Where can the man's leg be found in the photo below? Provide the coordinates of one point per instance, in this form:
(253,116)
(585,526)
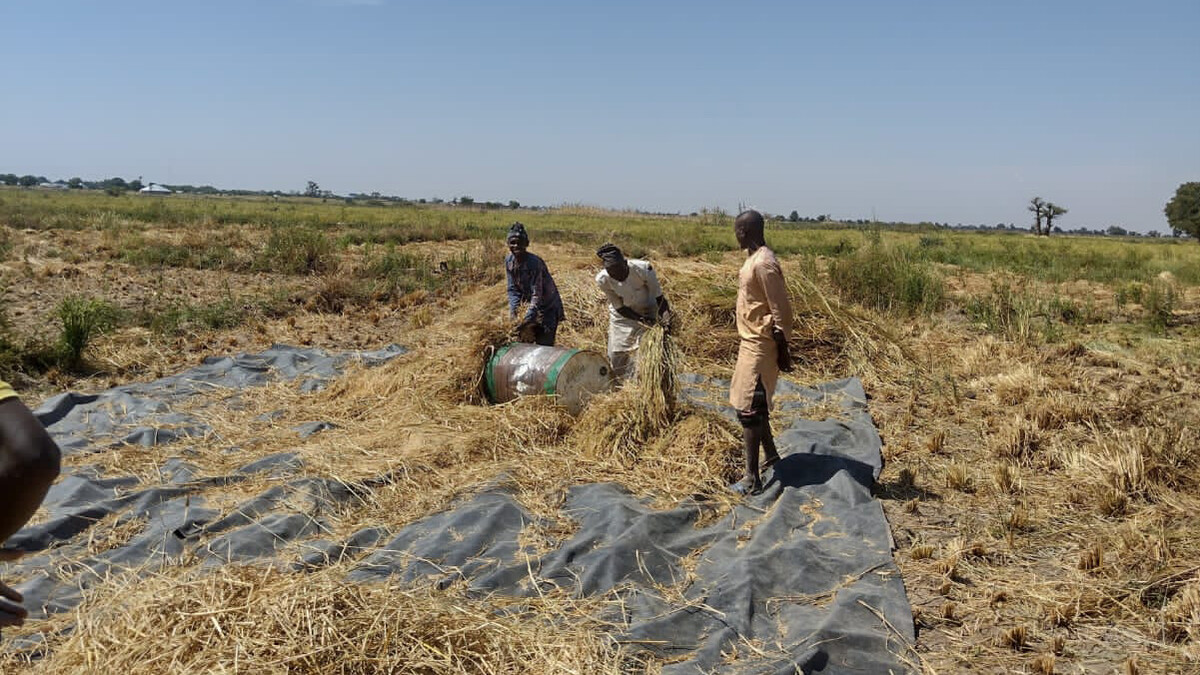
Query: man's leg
(751,440)
(756,432)
(770,454)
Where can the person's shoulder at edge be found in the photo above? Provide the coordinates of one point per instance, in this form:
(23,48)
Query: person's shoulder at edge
(764,255)
(534,260)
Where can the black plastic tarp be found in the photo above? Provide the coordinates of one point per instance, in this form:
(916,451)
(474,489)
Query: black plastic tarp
(797,579)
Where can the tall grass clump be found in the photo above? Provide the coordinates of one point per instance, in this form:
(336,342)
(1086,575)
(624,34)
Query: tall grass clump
(82,320)
(889,280)
(1005,311)
(297,250)
(6,243)
(1159,303)
(405,272)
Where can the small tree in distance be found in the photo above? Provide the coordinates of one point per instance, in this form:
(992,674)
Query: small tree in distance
(312,189)
(1183,211)
(1051,211)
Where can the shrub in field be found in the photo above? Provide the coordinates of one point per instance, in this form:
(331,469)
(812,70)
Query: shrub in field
(888,280)
(82,319)
(1159,304)
(1006,311)
(297,250)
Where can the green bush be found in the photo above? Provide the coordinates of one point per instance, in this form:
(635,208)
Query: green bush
(1160,300)
(82,319)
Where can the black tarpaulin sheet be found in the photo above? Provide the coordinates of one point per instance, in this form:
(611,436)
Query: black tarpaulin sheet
(798,579)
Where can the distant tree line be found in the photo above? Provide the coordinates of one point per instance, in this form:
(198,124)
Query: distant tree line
(1182,211)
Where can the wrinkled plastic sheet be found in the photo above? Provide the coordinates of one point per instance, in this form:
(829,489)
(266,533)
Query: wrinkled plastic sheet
(797,579)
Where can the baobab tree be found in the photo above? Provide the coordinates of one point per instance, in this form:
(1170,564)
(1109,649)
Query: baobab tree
(1037,206)
(1050,211)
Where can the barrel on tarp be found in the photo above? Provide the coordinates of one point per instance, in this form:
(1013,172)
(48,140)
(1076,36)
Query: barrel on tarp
(521,369)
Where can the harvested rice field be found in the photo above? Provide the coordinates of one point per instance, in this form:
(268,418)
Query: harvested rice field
(1041,461)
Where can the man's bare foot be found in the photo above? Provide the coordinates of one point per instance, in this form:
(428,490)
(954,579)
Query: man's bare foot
(747,487)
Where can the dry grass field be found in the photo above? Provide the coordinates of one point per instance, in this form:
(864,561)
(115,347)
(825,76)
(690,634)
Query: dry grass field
(1037,399)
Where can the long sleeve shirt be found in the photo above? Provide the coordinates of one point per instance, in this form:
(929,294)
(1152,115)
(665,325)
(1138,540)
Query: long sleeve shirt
(762,306)
(639,292)
(762,300)
(530,282)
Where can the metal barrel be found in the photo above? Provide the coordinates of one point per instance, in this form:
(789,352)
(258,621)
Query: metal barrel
(522,369)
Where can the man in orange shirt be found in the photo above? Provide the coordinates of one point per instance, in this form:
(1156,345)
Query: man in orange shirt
(29,463)
(764,321)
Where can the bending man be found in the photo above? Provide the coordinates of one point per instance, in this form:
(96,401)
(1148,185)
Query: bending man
(529,282)
(635,302)
(764,321)
(29,463)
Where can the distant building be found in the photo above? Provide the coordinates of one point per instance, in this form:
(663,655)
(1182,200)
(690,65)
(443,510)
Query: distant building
(52,186)
(154,189)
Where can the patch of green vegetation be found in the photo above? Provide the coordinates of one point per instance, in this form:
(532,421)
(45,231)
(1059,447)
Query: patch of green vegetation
(297,250)
(888,279)
(82,320)
(6,243)
(136,251)
(403,272)
(1059,259)
(180,318)
(1160,302)
(1107,260)
(1022,314)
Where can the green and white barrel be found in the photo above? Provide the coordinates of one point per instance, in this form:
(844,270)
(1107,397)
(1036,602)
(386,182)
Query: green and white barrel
(522,369)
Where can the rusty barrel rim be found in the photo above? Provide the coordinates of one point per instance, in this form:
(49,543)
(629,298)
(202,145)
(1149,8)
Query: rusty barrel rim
(552,375)
(490,370)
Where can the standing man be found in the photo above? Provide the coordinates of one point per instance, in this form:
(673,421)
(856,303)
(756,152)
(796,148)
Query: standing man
(530,282)
(764,321)
(635,302)
(29,463)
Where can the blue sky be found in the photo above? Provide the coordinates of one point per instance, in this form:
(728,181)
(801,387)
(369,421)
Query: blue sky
(947,111)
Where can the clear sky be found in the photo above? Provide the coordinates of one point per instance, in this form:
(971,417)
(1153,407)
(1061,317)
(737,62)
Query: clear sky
(949,111)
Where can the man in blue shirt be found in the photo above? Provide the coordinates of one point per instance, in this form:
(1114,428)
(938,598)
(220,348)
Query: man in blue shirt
(530,283)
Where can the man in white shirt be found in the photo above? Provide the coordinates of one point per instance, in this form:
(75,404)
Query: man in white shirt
(635,302)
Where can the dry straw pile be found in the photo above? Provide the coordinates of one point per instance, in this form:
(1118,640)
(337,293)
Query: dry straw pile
(255,620)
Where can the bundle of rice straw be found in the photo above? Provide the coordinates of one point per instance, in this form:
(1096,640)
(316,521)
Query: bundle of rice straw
(622,423)
(460,375)
(655,384)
